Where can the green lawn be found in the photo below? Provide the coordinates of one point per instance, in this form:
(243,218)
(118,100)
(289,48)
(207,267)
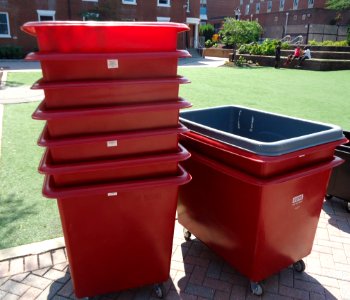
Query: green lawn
(25,216)
(320,96)
(22,78)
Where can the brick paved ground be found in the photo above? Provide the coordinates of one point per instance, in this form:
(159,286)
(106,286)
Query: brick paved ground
(197,273)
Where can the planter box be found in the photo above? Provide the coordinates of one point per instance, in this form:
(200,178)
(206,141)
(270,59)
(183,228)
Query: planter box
(109,92)
(102,37)
(111,146)
(93,66)
(109,119)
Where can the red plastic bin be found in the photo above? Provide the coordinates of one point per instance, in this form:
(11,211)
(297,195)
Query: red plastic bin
(259,226)
(93,66)
(109,119)
(109,92)
(78,36)
(110,146)
(130,221)
(259,165)
(95,172)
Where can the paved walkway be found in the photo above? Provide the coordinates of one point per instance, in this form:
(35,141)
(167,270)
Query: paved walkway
(196,272)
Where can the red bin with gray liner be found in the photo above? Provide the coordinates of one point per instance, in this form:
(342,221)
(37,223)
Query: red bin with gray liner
(94,66)
(259,226)
(97,37)
(111,146)
(118,235)
(109,119)
(259,165)
(94,172)
(109,92)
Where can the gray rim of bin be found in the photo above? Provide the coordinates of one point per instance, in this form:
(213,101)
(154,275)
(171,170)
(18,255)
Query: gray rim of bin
(330,133)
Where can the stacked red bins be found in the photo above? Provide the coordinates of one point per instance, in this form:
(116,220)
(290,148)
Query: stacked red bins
(258,186)
(112,155)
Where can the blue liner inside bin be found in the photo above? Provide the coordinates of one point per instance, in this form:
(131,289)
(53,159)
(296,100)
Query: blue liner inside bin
(258,131)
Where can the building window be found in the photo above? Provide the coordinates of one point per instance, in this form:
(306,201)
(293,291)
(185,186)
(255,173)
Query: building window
(276,19)
(247,8)
(282,5)
(257,8)
(188,6)
(303,17)
(310,3)
(257,19)
(240,2)
(164,3)
(203,10)
(132,2)
(251,1)
(163,19)
(295,4)
(295,17)
(4,25)
(269,6)
(46,15)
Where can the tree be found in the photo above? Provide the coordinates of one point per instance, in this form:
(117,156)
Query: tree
(237,32)
(338,4)
(207,31)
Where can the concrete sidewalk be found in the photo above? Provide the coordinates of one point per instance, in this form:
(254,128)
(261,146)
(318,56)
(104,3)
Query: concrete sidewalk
(196,272)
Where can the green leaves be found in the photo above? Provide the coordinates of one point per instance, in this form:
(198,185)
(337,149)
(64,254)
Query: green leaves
(338,4)
(236,32)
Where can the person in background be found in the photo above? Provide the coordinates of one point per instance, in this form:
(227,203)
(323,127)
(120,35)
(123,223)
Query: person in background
(295,55)
(306,55)
(277,55)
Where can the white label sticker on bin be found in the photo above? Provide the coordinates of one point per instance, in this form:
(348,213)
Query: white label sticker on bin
(296,201)
(112,63)
(112,143)
(113,194)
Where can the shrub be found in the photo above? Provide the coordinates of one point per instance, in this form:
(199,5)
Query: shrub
(209,43)
(241,61)
(207,31)
(11,52)
(266,48)
(236,32)
(329,43)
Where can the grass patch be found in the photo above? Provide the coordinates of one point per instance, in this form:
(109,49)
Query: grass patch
(25,216)
(15,79)
(319,96)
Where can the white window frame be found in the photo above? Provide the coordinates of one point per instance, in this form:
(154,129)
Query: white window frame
(163,5)
(247,9)
(240,2)
(269,6)
(310,3)
(129,2)
(295,4)
(8,25)
(163,19)
(46,13)
(188,6)
(257,7)
(282,3)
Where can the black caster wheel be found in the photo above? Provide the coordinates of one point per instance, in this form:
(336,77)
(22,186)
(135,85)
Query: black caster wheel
(159,289)
(299,266)
(348,206)
(187,234)
(256,288)
(328,197)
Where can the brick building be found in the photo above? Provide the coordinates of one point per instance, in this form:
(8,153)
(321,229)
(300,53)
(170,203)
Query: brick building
(13,13)
(309,18)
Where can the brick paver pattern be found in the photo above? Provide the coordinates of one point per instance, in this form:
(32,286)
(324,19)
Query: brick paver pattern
(197,273)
